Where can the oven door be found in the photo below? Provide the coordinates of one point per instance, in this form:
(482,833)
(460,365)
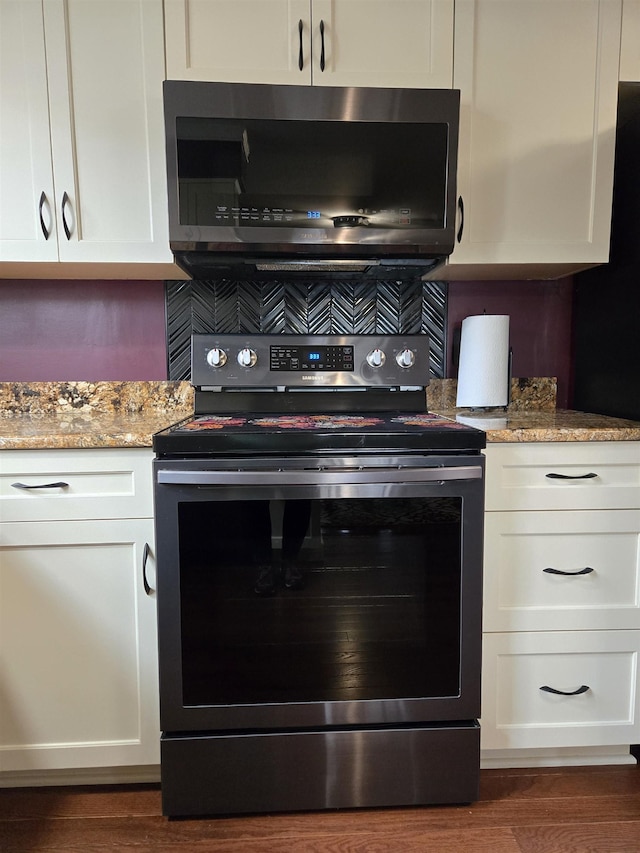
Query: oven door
(297,593)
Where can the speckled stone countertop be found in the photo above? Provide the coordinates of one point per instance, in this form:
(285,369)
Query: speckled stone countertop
(52,415)
(45,415)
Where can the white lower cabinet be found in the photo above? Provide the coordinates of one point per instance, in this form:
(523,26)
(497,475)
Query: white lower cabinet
(561,599)
(560,689)
(78,647)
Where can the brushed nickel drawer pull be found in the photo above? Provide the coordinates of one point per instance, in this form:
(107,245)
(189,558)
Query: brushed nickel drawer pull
(60,485)
(586,571)
(578,692)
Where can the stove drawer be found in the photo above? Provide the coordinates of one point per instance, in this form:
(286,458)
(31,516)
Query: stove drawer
(594,672)
(49,485)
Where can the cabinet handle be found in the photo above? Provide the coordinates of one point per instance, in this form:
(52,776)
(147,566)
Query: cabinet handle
(577,692)
(145,556)
(63,207)
(300,54)
(41,204)
(586,571)
(322,45)
(571,476)
(461,227)
(60,485)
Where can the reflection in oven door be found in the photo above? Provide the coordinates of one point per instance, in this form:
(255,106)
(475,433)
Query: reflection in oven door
(306,607)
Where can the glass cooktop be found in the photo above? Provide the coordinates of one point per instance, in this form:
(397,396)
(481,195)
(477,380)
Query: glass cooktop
(301,433)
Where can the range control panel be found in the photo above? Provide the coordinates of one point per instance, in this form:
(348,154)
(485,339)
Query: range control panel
(309,361)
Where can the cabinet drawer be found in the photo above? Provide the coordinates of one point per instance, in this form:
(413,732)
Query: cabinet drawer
(49,485)
(599,552)
(563,475)
(516,713)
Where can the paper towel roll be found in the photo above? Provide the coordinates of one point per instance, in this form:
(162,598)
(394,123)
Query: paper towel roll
(483,374)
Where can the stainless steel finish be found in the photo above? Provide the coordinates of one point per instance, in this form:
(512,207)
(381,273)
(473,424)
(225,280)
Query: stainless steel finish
(315,266)
(205,247)
(257,373)
(344,476)
(386,766)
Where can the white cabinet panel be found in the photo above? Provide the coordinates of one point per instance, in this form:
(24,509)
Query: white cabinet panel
(518,476)
(319,42)
(90,76)
(238,41)
(538,85)
(77,641)
(630,41)
(26,171)
(517,713)
(64,484)
(407,43)
(533,565)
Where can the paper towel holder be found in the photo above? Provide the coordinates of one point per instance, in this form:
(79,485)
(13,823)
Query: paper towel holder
(485,364)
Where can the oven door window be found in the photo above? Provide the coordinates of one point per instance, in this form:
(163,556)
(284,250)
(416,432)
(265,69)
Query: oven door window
(320,599)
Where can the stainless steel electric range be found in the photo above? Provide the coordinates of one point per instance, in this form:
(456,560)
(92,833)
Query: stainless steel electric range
(319,552)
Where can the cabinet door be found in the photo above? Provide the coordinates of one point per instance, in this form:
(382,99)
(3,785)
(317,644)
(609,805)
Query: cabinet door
(538,85)
(239,41)
(105,67)
(26,174)
(78,658)
(407,43)
(630,41)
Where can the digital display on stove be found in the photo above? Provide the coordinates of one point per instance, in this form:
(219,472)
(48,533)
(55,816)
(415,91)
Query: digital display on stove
(295,358)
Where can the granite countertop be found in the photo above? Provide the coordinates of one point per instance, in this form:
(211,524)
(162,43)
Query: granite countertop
(127,414)
(47,415)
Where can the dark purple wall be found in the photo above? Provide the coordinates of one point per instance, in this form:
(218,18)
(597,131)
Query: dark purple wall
(106,330)
(539,328)
(82,330)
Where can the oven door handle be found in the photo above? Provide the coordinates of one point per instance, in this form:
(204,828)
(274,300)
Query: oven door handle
(313,478)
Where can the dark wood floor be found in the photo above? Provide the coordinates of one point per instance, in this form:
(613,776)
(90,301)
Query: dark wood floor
(571,810)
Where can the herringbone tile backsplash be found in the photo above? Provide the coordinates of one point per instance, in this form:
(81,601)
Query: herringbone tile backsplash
(314,308)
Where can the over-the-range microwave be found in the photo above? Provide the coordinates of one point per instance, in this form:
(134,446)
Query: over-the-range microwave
(272,178)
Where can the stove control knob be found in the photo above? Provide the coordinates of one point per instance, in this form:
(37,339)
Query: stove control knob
(216,357)
(376,358)
(406,358)
(247,357)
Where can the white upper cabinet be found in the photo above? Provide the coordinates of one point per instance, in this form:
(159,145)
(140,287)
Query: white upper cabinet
(311,42)
(630,42)
(538,84)
(81,100)
(26,171)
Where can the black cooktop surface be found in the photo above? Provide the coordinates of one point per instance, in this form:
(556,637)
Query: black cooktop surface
(316,433)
